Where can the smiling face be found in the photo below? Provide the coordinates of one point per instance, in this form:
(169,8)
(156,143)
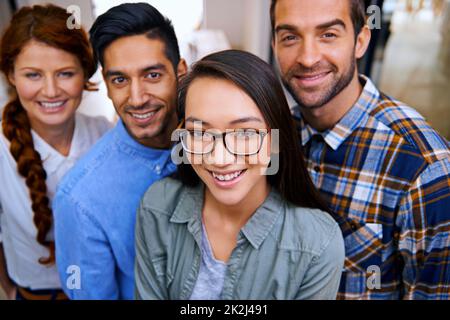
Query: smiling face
(49,83)
(316,49)
(142,84)
(219,105)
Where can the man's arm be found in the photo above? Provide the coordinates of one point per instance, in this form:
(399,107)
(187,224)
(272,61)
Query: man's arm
(85,262)
(424,241)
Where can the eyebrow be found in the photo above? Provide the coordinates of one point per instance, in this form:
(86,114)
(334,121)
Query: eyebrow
(158,66)
(245,120)
(286,27)
(335,22)
(39,69)
(194,119)
(237,121)
(326,25)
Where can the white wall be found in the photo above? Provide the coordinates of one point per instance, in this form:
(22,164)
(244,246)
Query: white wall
(245,22)
(257,29)
(227,16)
(5,14)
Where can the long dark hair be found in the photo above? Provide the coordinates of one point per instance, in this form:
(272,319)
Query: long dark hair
(257,79)
(46,24)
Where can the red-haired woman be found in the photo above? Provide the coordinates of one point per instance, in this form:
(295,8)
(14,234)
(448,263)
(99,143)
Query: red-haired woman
(48,66)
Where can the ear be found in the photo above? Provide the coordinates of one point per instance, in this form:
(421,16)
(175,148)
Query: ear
(272,43)
(12,78)
(362,42)
(182,68)
(106,84)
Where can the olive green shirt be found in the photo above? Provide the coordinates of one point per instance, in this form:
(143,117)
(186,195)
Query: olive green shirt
(283,251)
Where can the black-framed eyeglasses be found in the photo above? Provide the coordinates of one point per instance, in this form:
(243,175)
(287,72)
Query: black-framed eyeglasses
(240,142)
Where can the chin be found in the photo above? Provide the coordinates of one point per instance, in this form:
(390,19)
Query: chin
(57,120)
(229,197)
(143,133)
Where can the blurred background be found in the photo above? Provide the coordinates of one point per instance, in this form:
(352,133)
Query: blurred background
(409,56)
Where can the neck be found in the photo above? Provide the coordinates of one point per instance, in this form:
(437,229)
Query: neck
(235,215)
(328,115)
(59,137)
(162,140)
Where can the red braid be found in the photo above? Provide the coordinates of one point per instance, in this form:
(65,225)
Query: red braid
(16,128)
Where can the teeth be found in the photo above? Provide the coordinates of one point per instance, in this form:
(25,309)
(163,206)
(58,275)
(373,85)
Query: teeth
(142,116)
(227,177)
(52,104)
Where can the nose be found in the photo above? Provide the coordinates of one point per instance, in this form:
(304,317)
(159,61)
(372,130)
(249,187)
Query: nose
(308,53)
(220,156)
(136,94)
(51,88)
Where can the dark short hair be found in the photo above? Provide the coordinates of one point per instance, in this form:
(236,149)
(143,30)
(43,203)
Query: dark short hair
(130,19)
(259,81)
(357,15)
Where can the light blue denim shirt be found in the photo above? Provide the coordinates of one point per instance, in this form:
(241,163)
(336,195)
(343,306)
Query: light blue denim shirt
(95,211)
(283,252)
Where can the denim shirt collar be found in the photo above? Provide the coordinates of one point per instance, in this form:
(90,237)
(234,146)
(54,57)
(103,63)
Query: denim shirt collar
(126,143)
(356,117)
(257,228)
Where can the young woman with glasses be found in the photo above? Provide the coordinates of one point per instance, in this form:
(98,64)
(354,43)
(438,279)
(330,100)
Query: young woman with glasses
(243,220)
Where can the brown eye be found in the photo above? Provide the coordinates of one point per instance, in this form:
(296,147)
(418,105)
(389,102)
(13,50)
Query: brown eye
(289,38)
(118,80)
(153,75)
(329,36)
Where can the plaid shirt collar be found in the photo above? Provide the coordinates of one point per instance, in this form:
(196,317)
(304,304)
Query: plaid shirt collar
(357,116)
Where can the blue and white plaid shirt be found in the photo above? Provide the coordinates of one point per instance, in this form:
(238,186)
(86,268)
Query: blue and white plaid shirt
(386,174)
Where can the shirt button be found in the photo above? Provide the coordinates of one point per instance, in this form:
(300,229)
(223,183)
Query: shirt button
(354,226)
(317,169)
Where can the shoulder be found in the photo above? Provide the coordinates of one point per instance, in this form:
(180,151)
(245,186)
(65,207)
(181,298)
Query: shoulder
(310,230)
(93,124)
(163,196)
(411,127)
(164,200)
(4,143)
(5,152)
(90,167)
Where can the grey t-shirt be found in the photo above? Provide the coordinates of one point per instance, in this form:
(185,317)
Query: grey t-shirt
(211,275)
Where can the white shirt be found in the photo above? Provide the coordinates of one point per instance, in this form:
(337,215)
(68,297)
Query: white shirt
(17,229)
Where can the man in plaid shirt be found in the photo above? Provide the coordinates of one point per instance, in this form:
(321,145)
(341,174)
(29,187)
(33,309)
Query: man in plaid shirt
(383,170)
